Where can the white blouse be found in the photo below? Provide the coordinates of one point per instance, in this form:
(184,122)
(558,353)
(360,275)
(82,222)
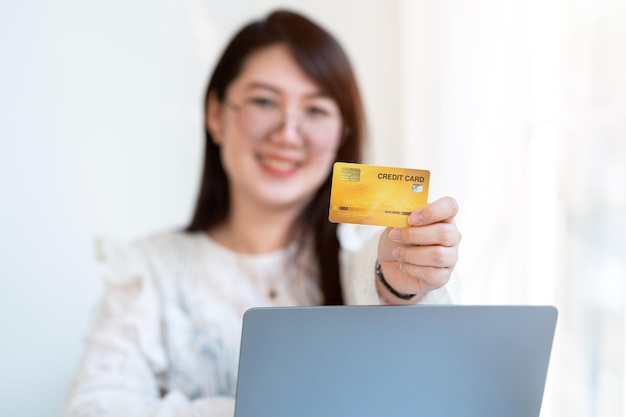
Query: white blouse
(165,341)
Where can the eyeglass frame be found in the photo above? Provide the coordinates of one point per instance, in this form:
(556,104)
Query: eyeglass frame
(344,130)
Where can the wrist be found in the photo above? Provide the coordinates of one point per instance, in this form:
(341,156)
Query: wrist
(388,288)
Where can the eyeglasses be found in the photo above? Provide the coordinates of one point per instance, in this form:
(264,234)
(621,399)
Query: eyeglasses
(319,126)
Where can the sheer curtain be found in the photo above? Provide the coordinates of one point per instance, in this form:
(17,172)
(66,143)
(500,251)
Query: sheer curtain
(519,109)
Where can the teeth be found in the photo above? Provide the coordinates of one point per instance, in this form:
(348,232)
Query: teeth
(279,164)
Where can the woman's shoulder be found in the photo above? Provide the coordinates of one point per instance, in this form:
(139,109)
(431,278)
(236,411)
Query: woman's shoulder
(171,241)
(162,248)
(108,247)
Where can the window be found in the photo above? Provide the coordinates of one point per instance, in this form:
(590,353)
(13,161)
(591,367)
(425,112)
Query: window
(519,110)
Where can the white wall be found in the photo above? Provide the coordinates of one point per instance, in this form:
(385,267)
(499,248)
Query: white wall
(100,135)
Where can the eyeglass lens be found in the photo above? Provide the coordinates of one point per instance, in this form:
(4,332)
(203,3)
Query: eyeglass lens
(320,128)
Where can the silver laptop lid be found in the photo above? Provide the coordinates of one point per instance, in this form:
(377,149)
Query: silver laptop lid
(425,360)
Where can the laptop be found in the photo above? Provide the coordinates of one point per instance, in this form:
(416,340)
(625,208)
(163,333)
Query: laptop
(394,361)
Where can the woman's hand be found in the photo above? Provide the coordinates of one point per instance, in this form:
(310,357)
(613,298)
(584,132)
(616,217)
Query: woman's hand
(419,258)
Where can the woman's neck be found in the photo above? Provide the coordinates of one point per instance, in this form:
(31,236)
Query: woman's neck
(255,230)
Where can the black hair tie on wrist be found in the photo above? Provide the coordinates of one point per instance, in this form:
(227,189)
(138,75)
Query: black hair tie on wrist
(382,279)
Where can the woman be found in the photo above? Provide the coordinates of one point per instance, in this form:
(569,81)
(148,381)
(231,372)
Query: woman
(281,107)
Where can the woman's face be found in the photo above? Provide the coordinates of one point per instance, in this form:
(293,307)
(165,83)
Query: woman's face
(278,134)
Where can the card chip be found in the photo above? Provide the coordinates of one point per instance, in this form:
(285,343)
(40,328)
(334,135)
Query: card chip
(418,188)
(350,174)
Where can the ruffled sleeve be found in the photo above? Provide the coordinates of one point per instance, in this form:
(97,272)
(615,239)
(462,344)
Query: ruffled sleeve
(122,371)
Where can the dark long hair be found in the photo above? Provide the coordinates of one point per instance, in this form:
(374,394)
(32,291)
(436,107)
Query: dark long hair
(323,60)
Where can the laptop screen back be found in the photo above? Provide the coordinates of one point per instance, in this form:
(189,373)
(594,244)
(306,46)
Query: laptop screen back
(425,360)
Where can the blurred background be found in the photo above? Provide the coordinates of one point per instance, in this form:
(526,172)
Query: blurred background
(518,108)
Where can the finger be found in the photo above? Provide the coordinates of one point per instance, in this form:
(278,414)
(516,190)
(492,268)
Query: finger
(444,234)
(428,256)
(440,210)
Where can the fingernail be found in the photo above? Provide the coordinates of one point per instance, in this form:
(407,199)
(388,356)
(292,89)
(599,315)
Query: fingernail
(415,218)
(396,254)
(395,234)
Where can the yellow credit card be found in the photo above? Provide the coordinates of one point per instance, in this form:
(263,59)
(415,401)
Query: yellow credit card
(376,195)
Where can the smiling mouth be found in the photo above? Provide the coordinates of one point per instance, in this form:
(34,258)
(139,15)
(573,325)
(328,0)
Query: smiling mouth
(280,165)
